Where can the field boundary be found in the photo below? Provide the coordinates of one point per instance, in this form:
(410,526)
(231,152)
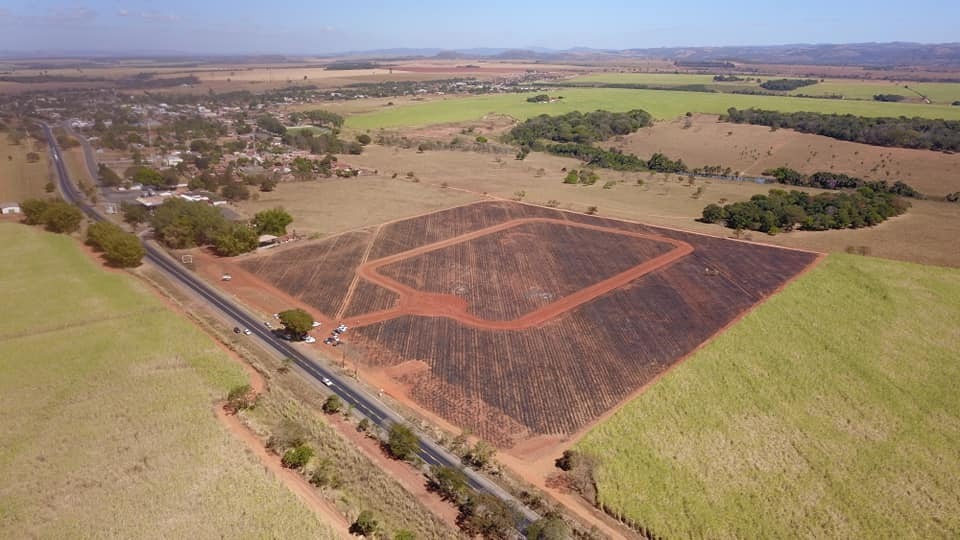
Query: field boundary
(414,302)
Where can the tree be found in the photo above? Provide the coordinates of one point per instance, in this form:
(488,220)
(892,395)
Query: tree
(145,176)
(550,527)
(713,213)
(402,442)
(134,214)
(33,157)
(273,221)
(333,404)
(488,516)
(120,248)
(235,191)
(404,534)
(268,184)
(296,322)
(364,139)
(479,456)
(297,457)
(33,210)
(234,239)
(365,525)
(181,224)
(61,217)
(449,482)
(572,177)
(108,176)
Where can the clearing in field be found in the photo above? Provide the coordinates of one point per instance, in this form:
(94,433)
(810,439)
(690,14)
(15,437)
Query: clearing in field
(662,104)
(529,321)
(830,411)
(108,427)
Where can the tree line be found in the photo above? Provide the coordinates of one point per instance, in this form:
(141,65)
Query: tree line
(182,224)
(784,211)
(787,85)
(829,180)
(902,132)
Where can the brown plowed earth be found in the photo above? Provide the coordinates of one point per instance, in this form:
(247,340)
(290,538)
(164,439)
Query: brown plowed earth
(541,371)
(416,302)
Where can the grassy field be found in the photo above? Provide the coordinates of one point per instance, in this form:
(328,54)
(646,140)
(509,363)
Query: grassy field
(108,428)
(20,180)
(939,93)
(830,411)
(662,104)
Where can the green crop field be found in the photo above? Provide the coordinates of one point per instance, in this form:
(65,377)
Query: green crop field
(107,397)
(830,411)
(662,104)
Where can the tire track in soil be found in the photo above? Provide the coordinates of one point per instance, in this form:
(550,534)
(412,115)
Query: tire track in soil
(356,277)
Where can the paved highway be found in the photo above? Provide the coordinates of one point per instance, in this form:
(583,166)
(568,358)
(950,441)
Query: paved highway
(352,394)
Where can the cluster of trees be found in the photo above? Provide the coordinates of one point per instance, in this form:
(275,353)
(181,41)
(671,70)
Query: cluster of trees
(55,215)
(727,78)
(271,124)
(787,85)
(539,98)
(119,248)
(319,118)
(584,177)
(931,134)
(108,177)
(577,127)
(784,211)
(321,143)
(181,224)
(829,180)
(893,98)
(598,157)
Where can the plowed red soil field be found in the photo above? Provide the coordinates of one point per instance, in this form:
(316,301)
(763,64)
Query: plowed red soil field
(527,321)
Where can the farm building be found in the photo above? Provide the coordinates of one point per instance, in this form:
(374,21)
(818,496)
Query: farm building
(9,208)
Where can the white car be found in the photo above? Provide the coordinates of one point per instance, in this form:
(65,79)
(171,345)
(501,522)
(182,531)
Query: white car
(276,316)
(326,381)
(247,332)
(309,339)
(315,324)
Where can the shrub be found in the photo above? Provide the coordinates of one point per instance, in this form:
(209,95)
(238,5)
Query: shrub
(240,397)
(402,442)
(364,139)
(365,525)
(297,457)
(591,210)
(333,404)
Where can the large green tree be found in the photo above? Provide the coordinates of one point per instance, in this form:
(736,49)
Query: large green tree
(297,322)
(273,221)
(234,239)
(402,441)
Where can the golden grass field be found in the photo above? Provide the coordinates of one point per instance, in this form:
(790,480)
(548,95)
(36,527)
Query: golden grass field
(108,427)
(928,233)
(829,412)
(20,180)
(753,149)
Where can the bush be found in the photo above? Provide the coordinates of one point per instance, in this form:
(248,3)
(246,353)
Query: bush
(55,215)
(297,457)
(240,397)
(333,404)
(365,525)
(234,239)
(591,210)
(364,139)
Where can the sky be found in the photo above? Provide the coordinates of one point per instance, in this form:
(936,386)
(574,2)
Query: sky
(321,26)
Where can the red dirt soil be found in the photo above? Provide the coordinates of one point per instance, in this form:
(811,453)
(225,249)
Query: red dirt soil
(545,375)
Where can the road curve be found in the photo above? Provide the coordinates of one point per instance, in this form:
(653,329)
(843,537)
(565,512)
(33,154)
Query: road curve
(352,394)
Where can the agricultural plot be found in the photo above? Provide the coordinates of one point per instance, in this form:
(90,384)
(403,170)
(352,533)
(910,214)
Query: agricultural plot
(662,104)
(531,321)
(831,411)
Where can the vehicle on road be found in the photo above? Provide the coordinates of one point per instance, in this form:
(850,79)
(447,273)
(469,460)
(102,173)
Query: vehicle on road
(247,332)
(326,381)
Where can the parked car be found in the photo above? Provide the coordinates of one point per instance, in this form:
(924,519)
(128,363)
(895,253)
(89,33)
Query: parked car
(236,330)
(309,339)
(315,324)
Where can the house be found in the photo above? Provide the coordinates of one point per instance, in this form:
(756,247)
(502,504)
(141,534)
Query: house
(9,208)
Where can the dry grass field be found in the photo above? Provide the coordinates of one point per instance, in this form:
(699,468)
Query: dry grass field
(831,411)
(753,149)
(20,180)
(108,427)
(928,233)
(339,204)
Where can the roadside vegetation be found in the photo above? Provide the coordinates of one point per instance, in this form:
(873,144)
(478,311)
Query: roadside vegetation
(107,402)
(181,224)
(829,411)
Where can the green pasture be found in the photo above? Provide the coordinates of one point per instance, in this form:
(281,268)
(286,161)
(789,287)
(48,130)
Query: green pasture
(108,427)
(662,104)
(831,411)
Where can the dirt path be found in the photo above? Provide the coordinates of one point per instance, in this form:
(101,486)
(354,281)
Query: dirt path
(296,483)
(415,302)
(356,276)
